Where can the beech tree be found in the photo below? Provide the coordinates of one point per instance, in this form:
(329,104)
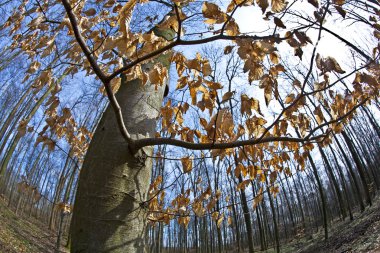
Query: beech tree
(257,126)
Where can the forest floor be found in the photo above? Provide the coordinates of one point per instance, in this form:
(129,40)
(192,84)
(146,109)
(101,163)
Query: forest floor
(28,235)
(357,236)
(24,234)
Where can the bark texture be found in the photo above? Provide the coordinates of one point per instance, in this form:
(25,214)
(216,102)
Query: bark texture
(107,215)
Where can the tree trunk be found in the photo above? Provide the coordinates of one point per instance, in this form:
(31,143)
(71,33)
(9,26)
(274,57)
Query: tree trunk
(321,194)
(359,167)
(261,230)
(14,143)
(112,183)
(351,173)
(275,226)
(247,217)
(335,184)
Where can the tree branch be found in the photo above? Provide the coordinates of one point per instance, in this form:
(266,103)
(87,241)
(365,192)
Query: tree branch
(106,81)
(181,42)
(205,146)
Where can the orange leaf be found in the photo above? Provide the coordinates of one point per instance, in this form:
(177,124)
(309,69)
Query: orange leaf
(187,164)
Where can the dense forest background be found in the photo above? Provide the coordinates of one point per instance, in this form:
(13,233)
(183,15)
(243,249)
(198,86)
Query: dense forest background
(199,201)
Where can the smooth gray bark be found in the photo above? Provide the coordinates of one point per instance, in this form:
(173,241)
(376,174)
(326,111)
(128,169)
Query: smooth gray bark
(107,215)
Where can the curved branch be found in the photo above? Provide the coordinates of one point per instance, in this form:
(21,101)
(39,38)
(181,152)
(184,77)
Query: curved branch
(81,42)
(339,118)
(113,101)
(204,146)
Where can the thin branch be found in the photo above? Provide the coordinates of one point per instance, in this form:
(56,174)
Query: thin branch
(82,43)
(181,42)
